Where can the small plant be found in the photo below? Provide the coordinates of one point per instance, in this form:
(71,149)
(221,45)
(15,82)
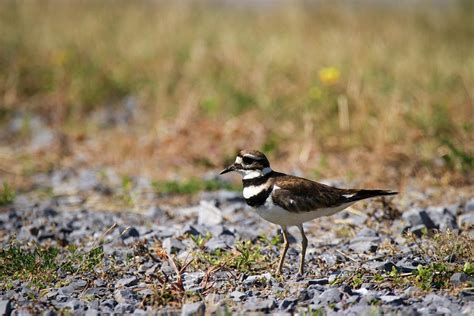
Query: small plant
(43,266)
(200,241)
(7,194)
(127,187)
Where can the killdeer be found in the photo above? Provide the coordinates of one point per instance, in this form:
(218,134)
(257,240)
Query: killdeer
(288,200)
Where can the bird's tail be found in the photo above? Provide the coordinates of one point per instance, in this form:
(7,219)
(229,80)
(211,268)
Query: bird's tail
(365,194)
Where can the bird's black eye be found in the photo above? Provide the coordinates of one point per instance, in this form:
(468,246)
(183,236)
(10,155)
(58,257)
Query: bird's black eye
(247,160)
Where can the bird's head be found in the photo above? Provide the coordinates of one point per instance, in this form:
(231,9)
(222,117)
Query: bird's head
(250,164)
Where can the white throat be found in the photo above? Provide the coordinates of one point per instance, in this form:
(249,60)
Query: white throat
(252,174)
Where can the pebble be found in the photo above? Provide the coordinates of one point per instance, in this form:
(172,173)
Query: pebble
(264,306)
(237,296)
(193,309)
(173,245)
(127,282)
(332,295)
(5,307)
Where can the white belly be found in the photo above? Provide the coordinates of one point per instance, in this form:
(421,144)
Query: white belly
(277,215)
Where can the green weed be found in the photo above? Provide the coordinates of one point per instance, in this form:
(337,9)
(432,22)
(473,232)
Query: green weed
(7,194)
(44,266)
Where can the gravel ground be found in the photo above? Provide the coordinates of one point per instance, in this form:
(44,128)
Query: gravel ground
(216,255)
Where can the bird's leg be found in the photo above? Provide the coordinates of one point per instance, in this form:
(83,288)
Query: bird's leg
(285,248)
(304,245)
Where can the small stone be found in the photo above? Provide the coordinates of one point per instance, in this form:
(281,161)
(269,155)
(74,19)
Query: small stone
(75,305)
(256,305)
(172,245)
(127,282)
(92,312)
(466,220)
(442,217)
(237,296)
(469,206)
(193,309)
(250,280)
(364,244)
(109,304)
(391,299)
(322,281)
(66,290)
(288,304)
(209,214)
(405,266)
(459,278)
(330,296)
(216,243)
(125,296)
(124,308)
(367,232)
(49,212)
(77,284)
(129,232)
(5,307)
(467,295)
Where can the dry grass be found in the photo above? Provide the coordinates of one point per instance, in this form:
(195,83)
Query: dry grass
(381,95)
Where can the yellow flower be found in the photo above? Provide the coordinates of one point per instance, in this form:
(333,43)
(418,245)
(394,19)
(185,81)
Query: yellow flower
(329,75)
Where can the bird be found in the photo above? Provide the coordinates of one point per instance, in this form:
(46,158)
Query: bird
(288,200)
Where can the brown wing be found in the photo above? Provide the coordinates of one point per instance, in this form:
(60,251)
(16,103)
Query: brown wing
(303,195)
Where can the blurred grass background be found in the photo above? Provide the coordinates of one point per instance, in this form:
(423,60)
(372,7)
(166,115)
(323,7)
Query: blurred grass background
(375,91)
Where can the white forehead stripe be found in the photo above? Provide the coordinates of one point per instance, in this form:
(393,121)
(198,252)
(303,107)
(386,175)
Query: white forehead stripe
(238,159)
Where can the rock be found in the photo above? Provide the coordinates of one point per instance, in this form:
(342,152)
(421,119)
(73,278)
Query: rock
(442,217)
(193,309)
(172,245)
(192,280)
(77,284)
(49,212)
(367,232)
(322,281)
(125,296)
(405,266)
(418,216)
(466,220)
(209,215)
(75,305)
(288,304)
(123,308)
(129,232)
(127,282)
(237,296)
(387,266)
(469,206)
(216,243)
(256,305)
(192,230)
(66,290)
(332,295)
(467,295)
(459,278)
(391,299)
(92,312)
(250,280)
(108,304)
(364,244)
(5,308)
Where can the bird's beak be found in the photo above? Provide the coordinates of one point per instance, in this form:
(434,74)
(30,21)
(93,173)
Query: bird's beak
(228,169)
